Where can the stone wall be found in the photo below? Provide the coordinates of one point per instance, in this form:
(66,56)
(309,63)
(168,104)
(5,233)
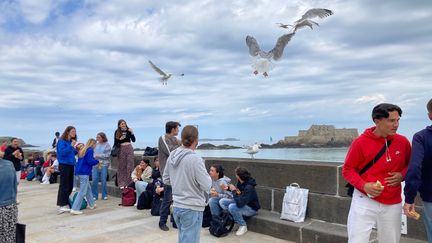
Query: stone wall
(327,193)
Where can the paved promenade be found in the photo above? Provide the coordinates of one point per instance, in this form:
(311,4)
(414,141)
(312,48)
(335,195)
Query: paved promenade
(107,223)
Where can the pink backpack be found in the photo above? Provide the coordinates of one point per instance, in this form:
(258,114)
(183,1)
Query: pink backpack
(128,197)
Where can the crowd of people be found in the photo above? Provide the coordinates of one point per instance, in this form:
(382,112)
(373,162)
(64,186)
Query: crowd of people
(376,164)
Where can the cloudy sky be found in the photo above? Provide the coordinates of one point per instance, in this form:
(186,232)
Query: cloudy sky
(85,63)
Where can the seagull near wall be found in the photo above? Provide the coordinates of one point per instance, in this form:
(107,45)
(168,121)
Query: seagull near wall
(164,76)
(305,20)
(263,60)
(253,150)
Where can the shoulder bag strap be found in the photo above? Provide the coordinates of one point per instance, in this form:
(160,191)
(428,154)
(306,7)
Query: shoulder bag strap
(377,157)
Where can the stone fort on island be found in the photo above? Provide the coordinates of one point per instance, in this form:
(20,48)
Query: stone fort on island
(322,135)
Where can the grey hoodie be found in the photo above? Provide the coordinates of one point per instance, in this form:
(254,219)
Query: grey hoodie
(186,173)
(217,186)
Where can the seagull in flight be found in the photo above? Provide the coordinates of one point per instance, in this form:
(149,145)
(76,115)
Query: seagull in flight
(305,20)
(164,76)
(263,60)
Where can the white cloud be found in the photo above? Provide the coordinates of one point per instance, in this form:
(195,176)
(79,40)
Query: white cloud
(36,11)
(371,99)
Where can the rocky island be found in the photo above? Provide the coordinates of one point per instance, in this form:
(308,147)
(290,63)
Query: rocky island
(209,146)
(318,136)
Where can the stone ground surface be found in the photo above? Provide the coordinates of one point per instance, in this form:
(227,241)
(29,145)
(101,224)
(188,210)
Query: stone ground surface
(107,223)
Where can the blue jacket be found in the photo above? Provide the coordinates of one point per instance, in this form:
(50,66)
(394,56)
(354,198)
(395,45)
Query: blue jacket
(85,164)
(65,152)
(248,195)
(8,183)
(418,177)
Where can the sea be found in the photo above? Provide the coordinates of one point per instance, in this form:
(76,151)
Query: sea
(303,154)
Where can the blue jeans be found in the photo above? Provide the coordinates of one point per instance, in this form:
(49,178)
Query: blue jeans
(215,208)
(189,224)
(85,191)
(102,175)
(140,187)
(236,212)
(427,219)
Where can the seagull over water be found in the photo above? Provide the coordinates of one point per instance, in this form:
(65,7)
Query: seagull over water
(252,150)
(263,60)
(305,20)
(164,76)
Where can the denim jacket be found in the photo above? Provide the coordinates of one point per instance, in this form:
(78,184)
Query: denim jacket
(8,183)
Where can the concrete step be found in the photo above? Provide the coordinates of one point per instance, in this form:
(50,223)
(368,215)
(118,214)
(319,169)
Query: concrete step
(269,223)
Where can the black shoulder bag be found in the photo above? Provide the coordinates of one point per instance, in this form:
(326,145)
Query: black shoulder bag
(350,188)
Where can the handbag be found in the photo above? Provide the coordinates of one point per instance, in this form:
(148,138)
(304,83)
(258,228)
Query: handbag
(294,203)
(115,150)
(20,233)
(350,188)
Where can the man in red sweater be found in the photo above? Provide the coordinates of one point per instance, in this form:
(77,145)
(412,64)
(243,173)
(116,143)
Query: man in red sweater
(377,195)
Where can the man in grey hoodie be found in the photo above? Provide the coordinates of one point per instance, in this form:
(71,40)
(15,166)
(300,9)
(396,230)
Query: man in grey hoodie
(186,172)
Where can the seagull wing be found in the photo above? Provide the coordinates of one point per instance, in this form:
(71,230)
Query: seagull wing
(157,69)
(282,41)
(305,23)
(252,43)
(316,12)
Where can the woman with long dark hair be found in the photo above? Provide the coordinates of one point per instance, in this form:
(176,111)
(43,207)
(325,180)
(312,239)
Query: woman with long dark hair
(123,136)
(66,158)
(102,153)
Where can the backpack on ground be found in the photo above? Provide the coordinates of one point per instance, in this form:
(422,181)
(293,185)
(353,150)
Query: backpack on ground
(30,175)
(207,217)
(23,175)
(145,200)
(128,197)
(221,225)
(72,200)
(156,204)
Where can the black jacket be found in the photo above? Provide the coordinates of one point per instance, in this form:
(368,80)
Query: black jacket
(8,155)
(248,195)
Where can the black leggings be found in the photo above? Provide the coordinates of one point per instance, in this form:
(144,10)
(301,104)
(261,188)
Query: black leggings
(66,184)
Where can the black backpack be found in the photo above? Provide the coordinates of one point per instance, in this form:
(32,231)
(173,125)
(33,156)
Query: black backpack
(207,217)
(156,204)
(145,200)
(221,225)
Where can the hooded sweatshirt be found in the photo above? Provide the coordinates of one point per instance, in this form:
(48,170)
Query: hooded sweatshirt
(248,195)
(395,159)
(85,164)
(186,173)
(217,186)
(418,177)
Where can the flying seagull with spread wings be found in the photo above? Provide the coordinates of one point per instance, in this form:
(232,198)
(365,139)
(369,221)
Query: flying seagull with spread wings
(263,60)
(164,76)
(305,20)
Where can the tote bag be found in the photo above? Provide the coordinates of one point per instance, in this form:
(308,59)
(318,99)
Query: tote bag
(294,203)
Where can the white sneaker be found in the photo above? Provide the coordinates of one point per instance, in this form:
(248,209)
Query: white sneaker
(63,209)
(94,206)
(75,212)
(73,189)
(105,198)
(242,230)
(45,183)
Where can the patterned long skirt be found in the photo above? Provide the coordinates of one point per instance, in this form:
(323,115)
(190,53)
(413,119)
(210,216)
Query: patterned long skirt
(8,220)
(125,165)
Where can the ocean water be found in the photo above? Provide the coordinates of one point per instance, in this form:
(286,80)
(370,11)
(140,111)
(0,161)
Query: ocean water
(306,154)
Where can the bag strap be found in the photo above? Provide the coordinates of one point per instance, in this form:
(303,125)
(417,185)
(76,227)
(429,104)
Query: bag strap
(166,145)
(376,158)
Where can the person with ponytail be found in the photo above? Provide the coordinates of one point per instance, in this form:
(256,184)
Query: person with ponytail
(83,170)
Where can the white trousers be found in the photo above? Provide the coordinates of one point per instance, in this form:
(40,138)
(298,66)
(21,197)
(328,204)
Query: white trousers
(365,213)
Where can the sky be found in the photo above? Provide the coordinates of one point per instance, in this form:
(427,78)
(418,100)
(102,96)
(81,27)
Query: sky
(85,63)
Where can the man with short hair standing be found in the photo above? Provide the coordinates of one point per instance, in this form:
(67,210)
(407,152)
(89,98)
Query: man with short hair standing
(418,178)
(377,195)
(15,154)
(186,172)
(167,143)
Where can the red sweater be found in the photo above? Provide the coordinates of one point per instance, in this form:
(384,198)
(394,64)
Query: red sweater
(364,149)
